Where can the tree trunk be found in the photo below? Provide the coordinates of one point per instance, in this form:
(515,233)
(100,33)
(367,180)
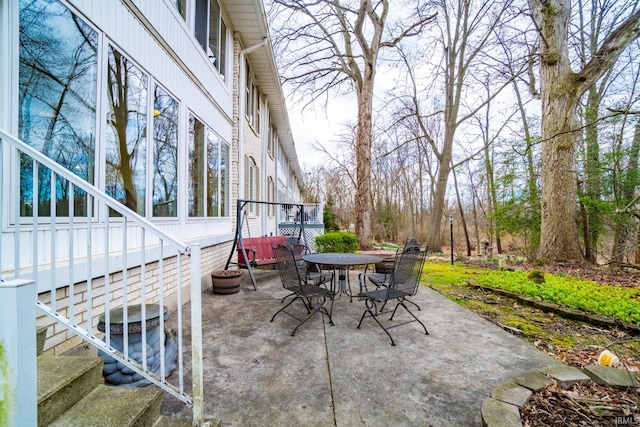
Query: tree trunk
(561,89)
(434,238)
(624,229)
(593,180)
(461,213)
(558,232)
(363,161)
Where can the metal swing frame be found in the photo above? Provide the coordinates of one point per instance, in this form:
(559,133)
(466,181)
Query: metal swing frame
(237,240)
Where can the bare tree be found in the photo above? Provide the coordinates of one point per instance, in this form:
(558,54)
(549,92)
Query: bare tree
(561,89)
(325,44)
(467,53)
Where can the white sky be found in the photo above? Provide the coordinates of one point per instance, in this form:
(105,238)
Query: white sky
(326,124)
(319,125)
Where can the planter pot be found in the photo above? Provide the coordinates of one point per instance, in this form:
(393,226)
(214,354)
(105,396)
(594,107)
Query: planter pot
(226,281)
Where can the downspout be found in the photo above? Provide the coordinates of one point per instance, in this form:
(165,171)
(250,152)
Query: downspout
(241,109)
(265,125)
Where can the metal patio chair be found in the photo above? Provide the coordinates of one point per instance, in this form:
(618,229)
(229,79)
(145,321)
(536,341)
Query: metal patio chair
(313,296)
(403,283)
(382,273)
(311,273)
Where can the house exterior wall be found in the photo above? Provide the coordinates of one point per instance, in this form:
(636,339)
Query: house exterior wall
(153,35)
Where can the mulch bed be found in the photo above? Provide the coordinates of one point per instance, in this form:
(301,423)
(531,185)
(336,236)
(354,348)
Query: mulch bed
(586,404)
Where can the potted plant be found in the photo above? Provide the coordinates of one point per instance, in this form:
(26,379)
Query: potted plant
(226,281)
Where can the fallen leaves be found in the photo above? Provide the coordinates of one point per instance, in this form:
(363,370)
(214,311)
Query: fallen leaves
(580,405)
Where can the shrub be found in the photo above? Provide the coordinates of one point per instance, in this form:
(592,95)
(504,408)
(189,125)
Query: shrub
(337,242)
(536,276)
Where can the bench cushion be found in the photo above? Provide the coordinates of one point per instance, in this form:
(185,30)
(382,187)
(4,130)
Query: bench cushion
(259,250)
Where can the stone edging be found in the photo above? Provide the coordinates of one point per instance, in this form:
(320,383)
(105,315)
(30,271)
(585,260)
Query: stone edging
(502,409)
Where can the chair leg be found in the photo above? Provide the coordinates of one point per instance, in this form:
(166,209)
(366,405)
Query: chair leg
(368,310)
(311,311)
(401,303)
(417,306)
(293,294)
(293,333)
(329,313)
(318,309)
(288,304)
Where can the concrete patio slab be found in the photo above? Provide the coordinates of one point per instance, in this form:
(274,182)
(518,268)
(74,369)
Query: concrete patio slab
(256,374)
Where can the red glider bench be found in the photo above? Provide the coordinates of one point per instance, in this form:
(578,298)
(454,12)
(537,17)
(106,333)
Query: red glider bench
(259,250)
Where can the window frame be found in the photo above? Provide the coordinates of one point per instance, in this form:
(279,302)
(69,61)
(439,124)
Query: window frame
(202,187)
(252,183)
(219,37)
(248,88)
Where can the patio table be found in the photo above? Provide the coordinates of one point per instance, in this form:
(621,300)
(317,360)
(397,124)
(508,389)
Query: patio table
(341,262)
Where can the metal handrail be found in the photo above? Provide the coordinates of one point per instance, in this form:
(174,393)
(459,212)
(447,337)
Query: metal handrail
(196,398)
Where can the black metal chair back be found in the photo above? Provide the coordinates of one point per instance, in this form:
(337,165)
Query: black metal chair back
(404,282)
(405,278)
(287,268)
(312,295)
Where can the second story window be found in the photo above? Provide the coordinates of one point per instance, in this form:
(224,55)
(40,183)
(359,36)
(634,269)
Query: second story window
(271,141)
(211,32)
(252,101)
(256,116)
(248,104)
(217,38)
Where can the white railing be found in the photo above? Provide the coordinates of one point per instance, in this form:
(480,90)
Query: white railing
(291,213)
(290,217)
(109,261)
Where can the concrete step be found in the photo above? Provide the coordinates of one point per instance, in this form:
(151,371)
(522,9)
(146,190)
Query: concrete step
(63,381)
(164,421)
(41,335)
(108,406)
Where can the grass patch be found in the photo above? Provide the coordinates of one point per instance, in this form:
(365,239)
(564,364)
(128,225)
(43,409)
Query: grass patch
(607,300)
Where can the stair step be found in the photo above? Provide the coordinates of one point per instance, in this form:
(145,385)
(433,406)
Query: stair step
(41,335)
(63,381)
(108,406)
(168,421)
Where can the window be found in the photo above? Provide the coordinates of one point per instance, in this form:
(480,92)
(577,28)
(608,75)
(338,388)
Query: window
(217,38)
(57,102)
(271,141)
(126,137)
(208,172)
(196,167)
(271,196)
(251,183)
(181,7)
(256,108)
(248,105)
(165,154)
(252,101)
(201,30)
(138,134)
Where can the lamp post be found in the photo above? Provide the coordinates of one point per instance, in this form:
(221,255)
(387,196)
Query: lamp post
(451,235)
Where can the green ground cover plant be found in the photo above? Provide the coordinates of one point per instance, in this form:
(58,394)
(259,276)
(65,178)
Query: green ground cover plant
(608,300)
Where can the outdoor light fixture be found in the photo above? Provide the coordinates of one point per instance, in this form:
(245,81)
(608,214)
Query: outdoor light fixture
(451,229)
